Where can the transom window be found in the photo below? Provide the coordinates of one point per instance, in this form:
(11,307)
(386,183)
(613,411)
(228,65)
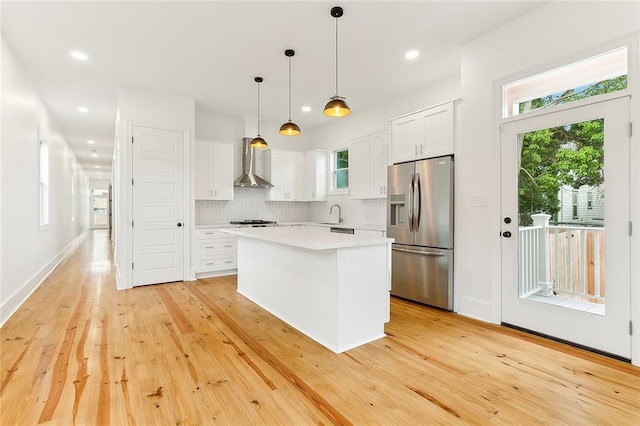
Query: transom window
(593,76)
(340,170)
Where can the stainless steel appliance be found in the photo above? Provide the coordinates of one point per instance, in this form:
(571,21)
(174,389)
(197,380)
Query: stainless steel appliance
(254,223)
(420,218)
(249,178)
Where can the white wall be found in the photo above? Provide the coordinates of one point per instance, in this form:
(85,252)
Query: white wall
(142,107)
(521,47)
(29,252)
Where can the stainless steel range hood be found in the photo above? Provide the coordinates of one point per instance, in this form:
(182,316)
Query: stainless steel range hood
(248,179)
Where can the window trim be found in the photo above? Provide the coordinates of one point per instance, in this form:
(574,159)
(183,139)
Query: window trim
(333,189)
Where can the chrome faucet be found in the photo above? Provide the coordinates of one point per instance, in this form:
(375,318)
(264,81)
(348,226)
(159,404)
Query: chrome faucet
(339,211)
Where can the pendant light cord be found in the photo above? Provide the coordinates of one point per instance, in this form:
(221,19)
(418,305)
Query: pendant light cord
(289,88)
(258,109)
(337,57)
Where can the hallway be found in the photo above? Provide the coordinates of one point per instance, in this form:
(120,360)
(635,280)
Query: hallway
(81,352)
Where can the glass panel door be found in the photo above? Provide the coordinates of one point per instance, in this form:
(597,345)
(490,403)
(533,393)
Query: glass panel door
(565,244)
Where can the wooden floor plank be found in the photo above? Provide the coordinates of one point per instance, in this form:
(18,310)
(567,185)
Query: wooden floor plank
(80,352)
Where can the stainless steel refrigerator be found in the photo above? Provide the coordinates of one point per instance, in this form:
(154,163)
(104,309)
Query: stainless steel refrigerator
(420,218)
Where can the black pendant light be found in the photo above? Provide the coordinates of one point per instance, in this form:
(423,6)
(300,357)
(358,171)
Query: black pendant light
(289,128)
(336,107)
(258,142)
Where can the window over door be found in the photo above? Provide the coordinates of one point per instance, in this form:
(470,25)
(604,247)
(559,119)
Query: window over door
(594,76)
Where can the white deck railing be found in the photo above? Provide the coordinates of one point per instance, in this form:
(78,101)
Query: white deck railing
(565,260)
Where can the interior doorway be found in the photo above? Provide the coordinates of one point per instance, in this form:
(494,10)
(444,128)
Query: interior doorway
(99,208)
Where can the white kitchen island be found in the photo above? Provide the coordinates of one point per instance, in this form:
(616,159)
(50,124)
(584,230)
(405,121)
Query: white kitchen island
(332,287)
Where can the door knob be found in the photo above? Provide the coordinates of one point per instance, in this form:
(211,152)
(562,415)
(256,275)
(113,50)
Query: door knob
(179,225)
(506,234)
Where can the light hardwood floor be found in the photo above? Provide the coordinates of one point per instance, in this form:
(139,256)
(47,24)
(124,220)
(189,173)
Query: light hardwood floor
(81,352)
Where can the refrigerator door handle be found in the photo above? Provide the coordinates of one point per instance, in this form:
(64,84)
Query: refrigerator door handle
(417,205)
(426,253)
(410,211)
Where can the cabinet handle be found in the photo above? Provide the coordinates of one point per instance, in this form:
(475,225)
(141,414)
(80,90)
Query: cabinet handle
(215,193)
(211,193)
(421,149)
(228,261)
(228,245)
(208,233)
(209,263)
(208,247)
(416,147)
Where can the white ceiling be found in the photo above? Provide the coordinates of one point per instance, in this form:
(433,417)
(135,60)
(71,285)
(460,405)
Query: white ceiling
(211,51)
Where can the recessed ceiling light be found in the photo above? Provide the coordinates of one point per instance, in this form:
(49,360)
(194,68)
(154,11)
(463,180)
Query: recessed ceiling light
(306,108)
(91,142)
(412,54)
(97,167)
(94,155)
(83,110)
(81,56)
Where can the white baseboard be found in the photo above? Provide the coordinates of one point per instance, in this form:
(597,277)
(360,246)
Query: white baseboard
(473,308)
(214,274)
(11,305)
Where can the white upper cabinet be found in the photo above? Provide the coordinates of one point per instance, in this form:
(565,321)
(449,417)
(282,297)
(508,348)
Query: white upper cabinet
(359,168)
(223,175)
(368,158)
(214,171)
(316,175)
(285,171)
(424,134)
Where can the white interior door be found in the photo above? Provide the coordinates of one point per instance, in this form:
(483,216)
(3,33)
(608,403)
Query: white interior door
(590,254)
(158,204)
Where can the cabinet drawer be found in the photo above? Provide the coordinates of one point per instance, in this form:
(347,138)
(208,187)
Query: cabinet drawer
(217,246)
(205,264)
(205,234)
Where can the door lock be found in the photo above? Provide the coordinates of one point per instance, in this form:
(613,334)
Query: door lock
(507,220)
(179,225)
(506,234)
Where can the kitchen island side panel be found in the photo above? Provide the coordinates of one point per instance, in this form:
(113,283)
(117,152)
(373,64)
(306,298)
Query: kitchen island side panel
(336,297)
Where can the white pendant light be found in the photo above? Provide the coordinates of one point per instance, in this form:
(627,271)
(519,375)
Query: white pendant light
(258,142)
(337,107)
(289,128)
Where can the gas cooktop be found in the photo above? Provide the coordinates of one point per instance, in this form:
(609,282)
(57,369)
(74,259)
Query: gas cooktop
(253,222)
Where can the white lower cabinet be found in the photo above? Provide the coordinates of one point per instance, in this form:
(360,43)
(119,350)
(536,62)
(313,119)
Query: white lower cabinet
(215,251)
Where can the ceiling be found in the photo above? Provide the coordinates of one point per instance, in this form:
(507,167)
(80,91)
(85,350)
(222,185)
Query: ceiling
(211,51)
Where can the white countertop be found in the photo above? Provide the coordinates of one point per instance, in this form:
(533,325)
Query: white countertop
(362,226)
(308,238)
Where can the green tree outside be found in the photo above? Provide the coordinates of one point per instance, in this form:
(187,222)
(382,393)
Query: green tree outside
(571,155)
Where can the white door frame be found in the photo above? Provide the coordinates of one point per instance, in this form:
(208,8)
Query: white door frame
(128,195)
(531,123)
